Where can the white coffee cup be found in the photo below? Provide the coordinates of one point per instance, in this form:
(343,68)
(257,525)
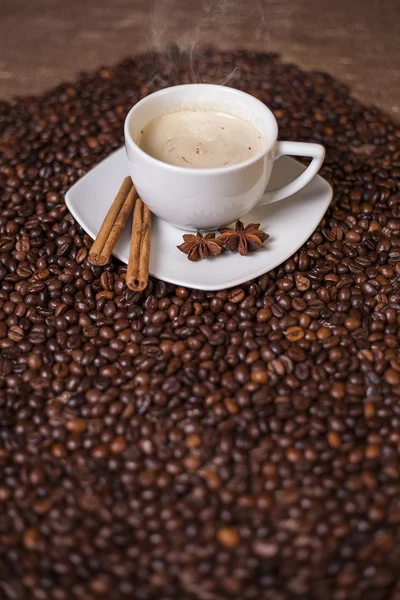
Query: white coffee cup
(194,199)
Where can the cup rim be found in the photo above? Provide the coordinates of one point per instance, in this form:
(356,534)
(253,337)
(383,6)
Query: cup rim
(191,170)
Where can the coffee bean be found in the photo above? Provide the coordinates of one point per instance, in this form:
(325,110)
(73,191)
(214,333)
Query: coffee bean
(106,281)
(228,537)
(392,377)
(15,333)
(236,296)
(302,283)
(334,439)
(76,425)
(265,549)
(118,445)
(7,243)
(294,334)
(31,539)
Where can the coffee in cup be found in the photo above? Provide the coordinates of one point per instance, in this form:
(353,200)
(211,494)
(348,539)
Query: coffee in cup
(201,139)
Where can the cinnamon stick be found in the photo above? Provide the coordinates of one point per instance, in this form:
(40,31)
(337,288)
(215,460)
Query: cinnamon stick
(113,224)
(137,275)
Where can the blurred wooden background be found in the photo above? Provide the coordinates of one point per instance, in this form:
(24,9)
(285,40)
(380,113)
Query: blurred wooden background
(43,42)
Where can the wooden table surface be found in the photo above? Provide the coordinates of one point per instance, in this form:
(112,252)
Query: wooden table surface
(43,42)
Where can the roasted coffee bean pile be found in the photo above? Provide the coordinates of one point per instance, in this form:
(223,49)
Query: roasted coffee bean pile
(177,444)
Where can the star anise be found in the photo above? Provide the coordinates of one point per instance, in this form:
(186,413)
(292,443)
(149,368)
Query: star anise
(197,246)
(242,239)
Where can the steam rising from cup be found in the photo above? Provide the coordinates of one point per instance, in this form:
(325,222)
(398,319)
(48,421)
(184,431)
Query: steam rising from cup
(211,22)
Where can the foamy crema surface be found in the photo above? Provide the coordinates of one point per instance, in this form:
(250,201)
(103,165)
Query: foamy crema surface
(201,139)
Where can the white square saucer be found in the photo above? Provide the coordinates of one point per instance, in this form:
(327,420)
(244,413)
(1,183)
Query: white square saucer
(289,223)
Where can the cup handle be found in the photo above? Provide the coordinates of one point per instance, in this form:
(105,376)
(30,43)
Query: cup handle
(295,149)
